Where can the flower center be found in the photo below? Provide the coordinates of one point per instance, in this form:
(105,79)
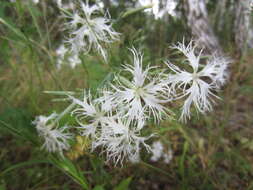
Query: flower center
(99,115)
(195,76)
(139,92)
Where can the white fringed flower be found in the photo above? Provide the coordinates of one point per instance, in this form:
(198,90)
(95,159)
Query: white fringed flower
(87,31)
(90,114)
(142,96)
(197,85)
(55,138)
(120,141)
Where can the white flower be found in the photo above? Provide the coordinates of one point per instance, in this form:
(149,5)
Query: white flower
(168,156)
(60,52)
(142,96)
(64,56)
(171,6)
(120,141)
(55,138)
(159,7)
(90,114)
(153,3)
(65,5)
(87,31)
(74,60)
(198,85)
(157,151)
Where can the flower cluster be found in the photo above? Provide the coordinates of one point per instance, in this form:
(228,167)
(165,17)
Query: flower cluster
(115,119)
(89,31)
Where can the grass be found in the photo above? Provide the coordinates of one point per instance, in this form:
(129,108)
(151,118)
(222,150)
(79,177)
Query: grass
(209,152)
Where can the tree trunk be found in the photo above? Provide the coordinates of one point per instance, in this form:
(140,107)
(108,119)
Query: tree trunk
(197,20)
(243,26)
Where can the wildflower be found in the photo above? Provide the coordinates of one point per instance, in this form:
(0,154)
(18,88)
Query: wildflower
(142,96)
(93,111)
(55,138)
(159,7)
(168,156)
(121,141)
(60,52)
(63,56)
(154,4)
(193,85)
(87,31)
(157,151)
(66,5)
(171,6)
(74,60)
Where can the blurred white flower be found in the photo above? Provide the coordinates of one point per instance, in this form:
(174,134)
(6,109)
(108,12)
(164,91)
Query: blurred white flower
(55,138)
(74,60)
(167,156)
(197,85)
(87,31)
(142,96)
(160,7)
(171,7)
(154,4)
(157,151)
(121,141)
(66,57)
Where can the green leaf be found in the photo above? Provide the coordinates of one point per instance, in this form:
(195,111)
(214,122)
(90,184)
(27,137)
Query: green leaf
(71,170)
(13,29)
(124,184)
